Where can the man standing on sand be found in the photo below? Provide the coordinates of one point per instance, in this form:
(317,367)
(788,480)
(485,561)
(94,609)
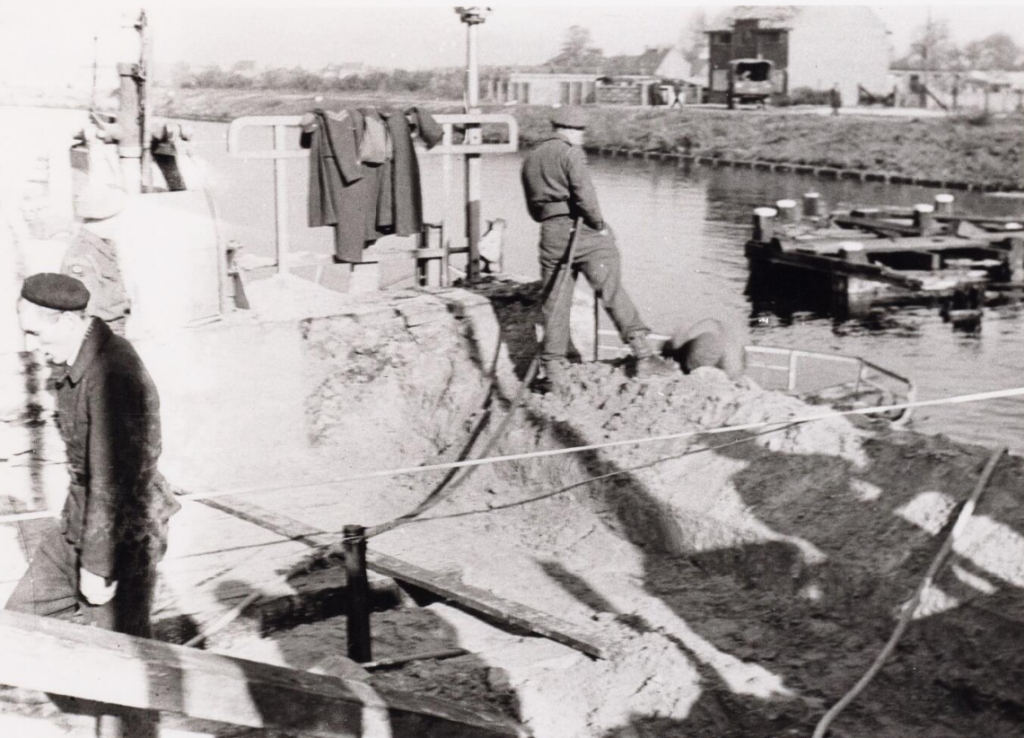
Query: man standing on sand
(99,564)
(558,190)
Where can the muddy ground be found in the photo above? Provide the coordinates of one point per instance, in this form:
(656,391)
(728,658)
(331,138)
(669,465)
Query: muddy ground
(745,582)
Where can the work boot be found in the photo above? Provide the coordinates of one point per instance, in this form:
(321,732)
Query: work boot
(555,379)
(648,363)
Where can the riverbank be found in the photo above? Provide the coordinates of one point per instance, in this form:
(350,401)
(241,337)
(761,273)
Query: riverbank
(986,152)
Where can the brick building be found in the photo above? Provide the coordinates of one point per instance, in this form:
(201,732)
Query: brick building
(811,46)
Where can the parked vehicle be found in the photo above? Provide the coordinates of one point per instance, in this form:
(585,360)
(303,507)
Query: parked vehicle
(750,81)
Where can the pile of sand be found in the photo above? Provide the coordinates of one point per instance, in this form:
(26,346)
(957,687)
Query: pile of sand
(744,586)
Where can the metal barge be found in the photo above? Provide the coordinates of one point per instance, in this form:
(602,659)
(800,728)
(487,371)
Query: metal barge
(868,256)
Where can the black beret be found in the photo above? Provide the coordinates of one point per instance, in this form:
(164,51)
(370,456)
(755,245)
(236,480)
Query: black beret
(55,291)
(569,118)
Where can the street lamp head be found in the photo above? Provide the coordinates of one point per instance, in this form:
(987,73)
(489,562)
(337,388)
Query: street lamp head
(473,15)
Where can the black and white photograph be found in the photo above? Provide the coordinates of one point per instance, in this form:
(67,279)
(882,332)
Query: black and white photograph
(623,370)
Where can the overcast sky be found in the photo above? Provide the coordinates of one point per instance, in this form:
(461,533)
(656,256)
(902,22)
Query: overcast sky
(50,36)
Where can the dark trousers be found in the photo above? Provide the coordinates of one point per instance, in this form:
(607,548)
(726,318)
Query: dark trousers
(50,588)
(597,256)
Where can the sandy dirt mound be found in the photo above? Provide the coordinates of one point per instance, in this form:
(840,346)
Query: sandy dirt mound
(748,586)
(744,581)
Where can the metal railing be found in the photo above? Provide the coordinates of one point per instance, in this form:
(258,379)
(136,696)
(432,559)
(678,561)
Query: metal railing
(280,153)
(830,378)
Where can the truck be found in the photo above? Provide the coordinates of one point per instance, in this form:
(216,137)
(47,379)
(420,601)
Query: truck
(750,81)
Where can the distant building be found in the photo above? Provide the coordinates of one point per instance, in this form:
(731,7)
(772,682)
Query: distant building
(622,80)
(550,88)
(811,46)
(995,91)
(338,71)
(246,69)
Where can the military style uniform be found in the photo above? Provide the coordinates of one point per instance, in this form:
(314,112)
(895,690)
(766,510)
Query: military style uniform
(115,519)
(94,262)
(558,189)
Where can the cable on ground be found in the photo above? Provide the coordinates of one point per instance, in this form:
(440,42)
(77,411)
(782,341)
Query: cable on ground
(910,606)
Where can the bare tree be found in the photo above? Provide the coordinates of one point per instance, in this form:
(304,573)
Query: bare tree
(577,52)
(932,47)
(693,39)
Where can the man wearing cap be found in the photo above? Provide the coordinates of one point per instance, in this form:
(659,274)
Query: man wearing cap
(100,562)
(558,190)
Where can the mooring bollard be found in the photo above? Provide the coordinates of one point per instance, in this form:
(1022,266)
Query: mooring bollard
(923,218)
(943,203)
(787,211)
(357,587)
(853,251)
(764,224)
(812,205)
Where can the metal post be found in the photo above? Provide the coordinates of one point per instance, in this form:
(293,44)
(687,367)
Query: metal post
(95,65)
(129,148)
(787,211)
(473,17)
(280,203)
(944,203)
(923,218)
(446,173)
(356,585)
(764,228)
(812,205)
(145,65)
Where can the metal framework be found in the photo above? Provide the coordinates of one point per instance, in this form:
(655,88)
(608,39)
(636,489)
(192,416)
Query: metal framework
(280,153)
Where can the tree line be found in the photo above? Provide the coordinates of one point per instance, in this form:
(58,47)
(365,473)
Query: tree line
(437,83)
(933,48)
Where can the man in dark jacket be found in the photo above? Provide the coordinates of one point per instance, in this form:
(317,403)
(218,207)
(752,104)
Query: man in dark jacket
(558,190)
(100,563)
(835,99)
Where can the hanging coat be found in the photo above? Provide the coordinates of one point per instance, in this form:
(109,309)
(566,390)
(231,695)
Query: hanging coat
(365,200)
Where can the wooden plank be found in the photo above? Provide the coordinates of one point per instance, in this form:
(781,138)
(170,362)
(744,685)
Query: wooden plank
(831,265)
(446,586)
(876,226)
(48,655)
(451,588)
(272,521)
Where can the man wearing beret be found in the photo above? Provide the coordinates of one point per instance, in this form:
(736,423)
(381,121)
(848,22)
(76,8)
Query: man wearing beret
(100,563)
(558,190)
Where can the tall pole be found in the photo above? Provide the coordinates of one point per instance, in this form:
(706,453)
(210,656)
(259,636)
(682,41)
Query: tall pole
(95,64)
(473,17)
(133,111)
(145,69)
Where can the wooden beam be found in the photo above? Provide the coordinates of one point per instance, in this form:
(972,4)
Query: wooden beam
(272,521)
(444,585)
(451,588)
(831,265)
(89,663)
(876,226)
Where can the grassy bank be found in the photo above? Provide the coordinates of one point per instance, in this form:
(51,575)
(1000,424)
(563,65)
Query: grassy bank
(933,148)
(973,149)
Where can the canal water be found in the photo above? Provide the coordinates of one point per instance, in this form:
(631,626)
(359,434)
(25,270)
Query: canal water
(681,232)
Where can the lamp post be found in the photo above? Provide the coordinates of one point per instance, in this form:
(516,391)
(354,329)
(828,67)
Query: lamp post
(473,17)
